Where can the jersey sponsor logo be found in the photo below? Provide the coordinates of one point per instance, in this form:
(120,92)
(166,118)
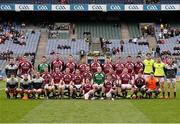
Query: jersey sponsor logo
(61,7)
(170,7)
(24,7)
(6,7)
(42,7)
(115,7)
(97,7)
(134,7)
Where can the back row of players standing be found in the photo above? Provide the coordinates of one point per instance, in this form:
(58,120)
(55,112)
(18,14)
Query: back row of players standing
(59,70)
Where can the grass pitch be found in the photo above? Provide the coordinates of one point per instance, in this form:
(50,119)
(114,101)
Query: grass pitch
(97,111)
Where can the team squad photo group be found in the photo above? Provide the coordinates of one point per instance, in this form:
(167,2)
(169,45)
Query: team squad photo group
(140,79)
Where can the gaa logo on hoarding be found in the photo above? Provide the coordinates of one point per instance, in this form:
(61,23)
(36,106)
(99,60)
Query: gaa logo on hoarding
(24,7)
(78,7)
(133,7)
(42,7)
(97,7)
(5,7)
(152,7)
(115,7)
(60,7)
(170,7)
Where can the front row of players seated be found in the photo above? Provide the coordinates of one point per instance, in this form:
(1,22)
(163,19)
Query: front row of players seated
(107,85)
(112,82)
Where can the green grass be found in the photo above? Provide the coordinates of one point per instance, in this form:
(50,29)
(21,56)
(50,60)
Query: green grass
(98,111)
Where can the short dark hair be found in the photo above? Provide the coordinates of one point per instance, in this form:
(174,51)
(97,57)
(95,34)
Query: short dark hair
(148,54)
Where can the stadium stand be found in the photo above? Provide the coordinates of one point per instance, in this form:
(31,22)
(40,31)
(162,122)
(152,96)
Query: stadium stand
(107,31)
(134,30)
(73,47)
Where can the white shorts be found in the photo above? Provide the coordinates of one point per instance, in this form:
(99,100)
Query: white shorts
(126,86)
(29,76)
(142,88)
(86,95)
(136,75)
(78,86)
(161,79)
(171,80)
(56,85)
(109,93)
(47,86)
(146,76)
(98,85)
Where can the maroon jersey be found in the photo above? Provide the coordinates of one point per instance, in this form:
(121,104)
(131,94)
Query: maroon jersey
(67,78)
(108,85)
(138,67)
(46,77)
(57,77)
(114,77)
(25,67)
(139,82)
(125,78)
(82,68)
(87,87)
(94,66)
(106,67)
(87,75)
(71,66)
(57,64)
(77,79)
(130,67)
(119,68)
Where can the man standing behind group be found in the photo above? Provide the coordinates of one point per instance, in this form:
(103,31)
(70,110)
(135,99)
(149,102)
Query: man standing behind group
(159,72)
(43,65)
(57,63)
(148,65)
(95,64)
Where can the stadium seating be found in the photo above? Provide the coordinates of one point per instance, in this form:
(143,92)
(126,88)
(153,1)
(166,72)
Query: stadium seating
(30,47)
(107,31)
(76,46)
(134,30)
(129,48)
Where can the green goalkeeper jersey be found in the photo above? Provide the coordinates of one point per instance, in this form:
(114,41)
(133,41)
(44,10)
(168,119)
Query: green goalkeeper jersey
(42,66)
(99,78)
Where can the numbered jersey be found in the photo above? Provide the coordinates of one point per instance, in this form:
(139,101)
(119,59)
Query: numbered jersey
(130,67)
(138,67)
(82,68)
(119,68)
(46,77)
(77,79)
(25,67)
(72,66)
(106,67)
(57,77)
(125,78)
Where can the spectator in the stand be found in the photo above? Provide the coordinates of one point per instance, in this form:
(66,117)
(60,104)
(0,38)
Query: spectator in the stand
(113,50)
(63,1)
(82,53)
(122,48)
(134,40)
(121,42)
(158,50)
(117,50)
